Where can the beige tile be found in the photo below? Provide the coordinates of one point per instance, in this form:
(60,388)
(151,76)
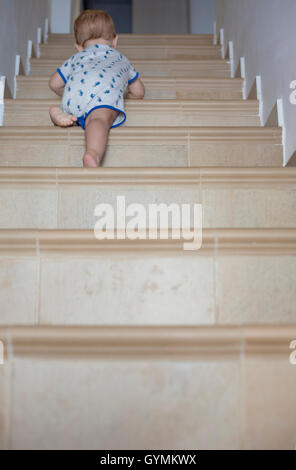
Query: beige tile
(158,119)
(125,405)
(128,289)
(21,117)
(76,153)
(270,404)
(161,94)
(235,154)
(200,118)
(146,155)
(208,94)
(28,208)
(18,290)
(39,154)
(256,289)
(256,208)
(35,92)
(76,206)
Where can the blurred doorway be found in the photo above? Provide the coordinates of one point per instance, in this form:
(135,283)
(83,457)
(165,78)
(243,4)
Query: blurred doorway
(120,10)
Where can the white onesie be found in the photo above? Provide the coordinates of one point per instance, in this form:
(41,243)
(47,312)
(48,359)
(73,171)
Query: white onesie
(96,78)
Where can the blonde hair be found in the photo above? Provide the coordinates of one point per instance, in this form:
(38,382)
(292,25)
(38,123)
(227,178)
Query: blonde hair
(93,24)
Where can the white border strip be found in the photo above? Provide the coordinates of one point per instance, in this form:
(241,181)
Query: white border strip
(16,73)
(39,40)
(29,55)
(2,89)
(260,97)
(282,124)
(231,59)
(46,29)
(215,41)
(222,43)
(244,77)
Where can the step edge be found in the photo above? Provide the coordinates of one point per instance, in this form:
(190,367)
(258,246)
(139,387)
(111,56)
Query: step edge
(191,342)
(264,177)
(216,242)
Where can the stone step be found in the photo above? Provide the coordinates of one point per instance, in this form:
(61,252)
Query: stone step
(68,277)
(134,52)
(36,87)
(145,147)
(143,39)
(153,67)
(149,113)
(163,381)
(64,198)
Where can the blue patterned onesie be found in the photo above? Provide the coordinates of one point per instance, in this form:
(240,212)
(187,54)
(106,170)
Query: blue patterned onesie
(96,78)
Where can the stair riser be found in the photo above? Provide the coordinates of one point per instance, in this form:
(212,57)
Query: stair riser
(135,39)
(142,52)
(42,91)
(147,287)
(120,370)
(100,388)
(144,154)
(20,116)
(173,69)
(71,206)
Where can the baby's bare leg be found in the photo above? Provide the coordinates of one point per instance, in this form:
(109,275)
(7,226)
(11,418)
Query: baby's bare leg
(59,118)
(97,128)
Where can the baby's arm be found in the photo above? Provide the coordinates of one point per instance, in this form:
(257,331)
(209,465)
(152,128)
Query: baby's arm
(136,90)
(57,84)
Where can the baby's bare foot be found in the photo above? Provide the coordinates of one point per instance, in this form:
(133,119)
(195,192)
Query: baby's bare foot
(91,159)
(59,118)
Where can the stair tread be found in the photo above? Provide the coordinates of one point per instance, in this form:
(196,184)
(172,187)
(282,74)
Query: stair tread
(220,61)
(152,81)
(142,103)
(76,131)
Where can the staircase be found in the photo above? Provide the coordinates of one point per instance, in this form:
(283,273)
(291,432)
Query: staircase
(122,344)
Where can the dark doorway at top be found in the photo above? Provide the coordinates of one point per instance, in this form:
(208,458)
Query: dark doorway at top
(120,10)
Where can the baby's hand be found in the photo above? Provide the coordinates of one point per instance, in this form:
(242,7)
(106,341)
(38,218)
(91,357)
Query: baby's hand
(136,90)
(59,118)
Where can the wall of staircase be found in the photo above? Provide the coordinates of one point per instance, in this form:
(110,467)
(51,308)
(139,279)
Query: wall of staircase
(263,33)
(161,17)
(138,344)
(19,21)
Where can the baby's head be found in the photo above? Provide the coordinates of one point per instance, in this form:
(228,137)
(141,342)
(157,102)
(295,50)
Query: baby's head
(94,27)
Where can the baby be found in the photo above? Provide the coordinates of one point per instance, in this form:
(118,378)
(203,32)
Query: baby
(94,83)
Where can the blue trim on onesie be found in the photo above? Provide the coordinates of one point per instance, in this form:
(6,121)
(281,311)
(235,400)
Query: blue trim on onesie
(62,75)
(133,79)
(81,119)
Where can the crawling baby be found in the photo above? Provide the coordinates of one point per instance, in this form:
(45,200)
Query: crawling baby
(94,83)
